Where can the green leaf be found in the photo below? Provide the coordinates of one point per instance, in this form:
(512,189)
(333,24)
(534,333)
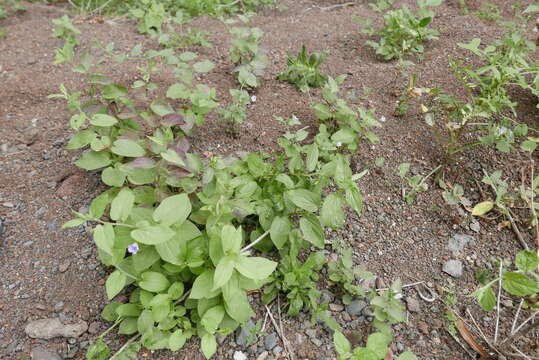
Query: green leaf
(93,160)
(73,223)
(153,235)
(203,66)
(425,21)
(81,139)
(303,199)
(109,311)
(212,318)
(532,8)
(378,343)
(128,326)
(231,239)
(472,46)
(176,290)
(482,208)
(173,209)
(208,344)
(144,258)
(178,91)
(527,261)
(342,345)
(322,112)
(98,351)
(407,355)
(203,286)
(130,352)
(365,354)
(127,148)
(177,340)
(121,206)
(104,238)
(332,214)
(279,231)
(486,298)
(161,108)
(256,268)
(115,283)
(354,198)
(223,271)
(113,177)
(519,284)
(153,281)
(312,157)
(103,120)
(145,322)
(312,230)
(125,310)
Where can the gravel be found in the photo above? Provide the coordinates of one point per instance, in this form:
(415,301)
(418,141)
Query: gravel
(356,307)
(53,327)
(453,268)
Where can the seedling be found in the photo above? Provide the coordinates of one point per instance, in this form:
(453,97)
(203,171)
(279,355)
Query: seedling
(302,71)
(416,182)
(404,31)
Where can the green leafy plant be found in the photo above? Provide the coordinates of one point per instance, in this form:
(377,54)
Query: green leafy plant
(189,37)
(302,71)
(10,6)
(65,30)
(387,310)
(176,227)
(245,53)
(417,183)
(522,283)
(346,275)
(381,5)
(235,114)
(404,31)
(298,281)
(490,12)
(347,126)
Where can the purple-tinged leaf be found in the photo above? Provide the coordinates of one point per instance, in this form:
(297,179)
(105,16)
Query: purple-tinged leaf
(142,163)
(172,119)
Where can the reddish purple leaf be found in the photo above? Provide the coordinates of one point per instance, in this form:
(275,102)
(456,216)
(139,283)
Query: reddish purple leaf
(172,119)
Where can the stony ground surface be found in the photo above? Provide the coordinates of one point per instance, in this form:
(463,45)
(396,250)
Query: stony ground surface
(52,274)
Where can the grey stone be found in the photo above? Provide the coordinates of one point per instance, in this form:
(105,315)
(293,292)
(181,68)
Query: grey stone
(41,353)
(475,226)
(412,304)
(317,342)
(270,341)
(453,268)
(459,242)
(400,347)
(58,306)
(277,350)
(94,328)
(244,333)
(355,307)
(263,356)
(311,333)
(52,327)
(336,307)
(238,355)
(220,338)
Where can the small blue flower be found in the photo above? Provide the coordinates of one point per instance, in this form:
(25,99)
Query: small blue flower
(133,248)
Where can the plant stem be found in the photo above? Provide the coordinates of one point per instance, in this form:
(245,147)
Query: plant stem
(260,238)
(129,342)
(498,303)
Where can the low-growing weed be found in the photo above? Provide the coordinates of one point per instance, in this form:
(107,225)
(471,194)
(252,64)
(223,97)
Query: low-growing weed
(65,30)
(189,37)
(417,183)
(10,6)
(347,276)
(246,54)
(235,114)
(404,31)
(490,12)
(302,70)
(388,309)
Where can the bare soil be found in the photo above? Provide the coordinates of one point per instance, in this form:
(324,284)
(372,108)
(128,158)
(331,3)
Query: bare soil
(47,272)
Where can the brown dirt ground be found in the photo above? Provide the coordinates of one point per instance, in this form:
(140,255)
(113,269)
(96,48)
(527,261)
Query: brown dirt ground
(42,265)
